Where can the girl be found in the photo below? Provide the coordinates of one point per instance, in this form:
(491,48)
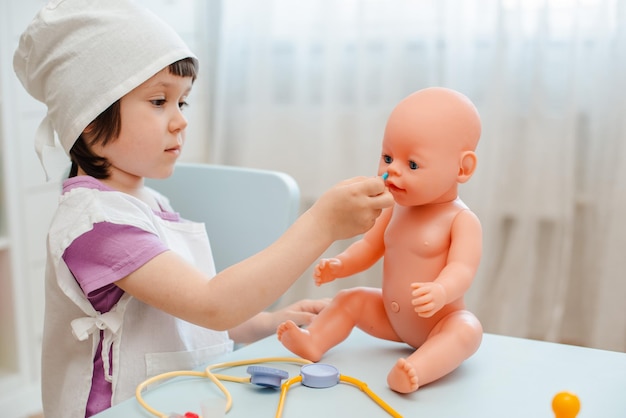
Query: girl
(131,289)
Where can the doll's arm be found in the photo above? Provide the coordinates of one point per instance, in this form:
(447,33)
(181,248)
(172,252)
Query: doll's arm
(358,257)
(458,274)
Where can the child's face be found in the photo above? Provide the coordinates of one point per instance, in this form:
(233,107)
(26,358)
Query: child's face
(423,164)
(153,129)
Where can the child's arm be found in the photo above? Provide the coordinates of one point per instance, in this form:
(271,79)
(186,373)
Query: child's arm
(458,274)
(239,292)
(265,323)
(357,257)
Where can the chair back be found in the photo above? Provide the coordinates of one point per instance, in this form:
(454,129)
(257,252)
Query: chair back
(244,209)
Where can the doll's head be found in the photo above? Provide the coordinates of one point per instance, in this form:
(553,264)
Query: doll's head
(428,146)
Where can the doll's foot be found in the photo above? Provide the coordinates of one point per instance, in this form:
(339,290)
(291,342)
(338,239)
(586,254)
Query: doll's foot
(403,377)
(298,341)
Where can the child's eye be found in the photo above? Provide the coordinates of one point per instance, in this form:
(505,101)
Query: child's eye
(387,159)
(158,102)
(182,105)
(413,165)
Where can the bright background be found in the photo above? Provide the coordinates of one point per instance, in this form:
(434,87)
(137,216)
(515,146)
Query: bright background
(306,86)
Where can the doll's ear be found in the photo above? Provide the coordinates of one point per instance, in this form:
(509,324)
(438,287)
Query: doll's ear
(467,166)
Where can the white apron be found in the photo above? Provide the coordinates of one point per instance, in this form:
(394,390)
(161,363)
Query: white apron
(144,340)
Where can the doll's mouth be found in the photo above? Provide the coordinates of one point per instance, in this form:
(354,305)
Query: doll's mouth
(393,188)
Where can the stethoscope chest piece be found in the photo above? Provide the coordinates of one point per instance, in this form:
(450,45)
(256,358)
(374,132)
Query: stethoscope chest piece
(319,375)
(269,377)
(312,375)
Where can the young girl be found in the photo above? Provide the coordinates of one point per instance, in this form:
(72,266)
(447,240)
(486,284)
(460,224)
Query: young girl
(131,289)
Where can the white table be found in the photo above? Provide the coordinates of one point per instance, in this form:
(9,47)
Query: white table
(508,377)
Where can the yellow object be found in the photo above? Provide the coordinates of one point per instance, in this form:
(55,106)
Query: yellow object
(217,378)
(346,379)
(565,405)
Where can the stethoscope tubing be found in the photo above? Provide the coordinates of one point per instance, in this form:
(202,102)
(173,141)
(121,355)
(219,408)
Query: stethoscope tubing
(217,379)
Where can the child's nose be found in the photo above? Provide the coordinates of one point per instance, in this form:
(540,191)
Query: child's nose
(178,122)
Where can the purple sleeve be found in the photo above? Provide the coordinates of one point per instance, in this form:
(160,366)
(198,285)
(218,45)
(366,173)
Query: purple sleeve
(107,253)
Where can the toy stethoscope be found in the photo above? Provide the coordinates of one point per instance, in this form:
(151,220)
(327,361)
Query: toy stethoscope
(314,375)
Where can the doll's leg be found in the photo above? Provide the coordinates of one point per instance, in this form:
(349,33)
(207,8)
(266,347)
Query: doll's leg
(454,339)
(360,307)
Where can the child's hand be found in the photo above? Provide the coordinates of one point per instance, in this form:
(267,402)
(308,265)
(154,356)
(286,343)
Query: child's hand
(265,323)
(301,312)
(351,207)
(327,270)
(428,298)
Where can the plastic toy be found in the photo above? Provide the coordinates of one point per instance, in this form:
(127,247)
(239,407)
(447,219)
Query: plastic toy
(311,375)
(322,376)
(430,241)
(565,405)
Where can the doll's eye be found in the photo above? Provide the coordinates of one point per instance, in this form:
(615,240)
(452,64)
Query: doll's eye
(413,165)
(387,159)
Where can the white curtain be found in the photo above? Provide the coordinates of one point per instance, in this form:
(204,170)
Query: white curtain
(306,87)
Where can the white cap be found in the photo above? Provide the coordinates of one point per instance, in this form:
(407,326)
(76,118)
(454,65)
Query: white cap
(80,56)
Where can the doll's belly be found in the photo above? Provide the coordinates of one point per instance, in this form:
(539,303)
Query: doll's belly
(410,327)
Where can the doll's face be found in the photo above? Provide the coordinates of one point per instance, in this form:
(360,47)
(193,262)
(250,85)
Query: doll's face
(421,171)
(424,146)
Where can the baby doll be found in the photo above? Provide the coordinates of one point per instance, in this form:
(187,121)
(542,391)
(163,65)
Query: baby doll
(431,243)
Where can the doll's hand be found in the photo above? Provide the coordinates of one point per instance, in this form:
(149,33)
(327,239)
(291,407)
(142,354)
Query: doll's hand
(428,298)
(327,270)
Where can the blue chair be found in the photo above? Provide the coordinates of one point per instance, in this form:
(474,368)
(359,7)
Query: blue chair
(244,209)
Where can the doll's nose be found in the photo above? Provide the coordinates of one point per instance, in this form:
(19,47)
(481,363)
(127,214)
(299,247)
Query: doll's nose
(392,169)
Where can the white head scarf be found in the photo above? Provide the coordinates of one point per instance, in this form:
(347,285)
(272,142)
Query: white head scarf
(80,56)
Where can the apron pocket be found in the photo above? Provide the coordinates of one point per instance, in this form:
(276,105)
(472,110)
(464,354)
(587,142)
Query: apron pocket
(157,363)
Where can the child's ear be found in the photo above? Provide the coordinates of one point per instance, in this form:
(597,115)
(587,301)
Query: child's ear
(89,129)
(467,166)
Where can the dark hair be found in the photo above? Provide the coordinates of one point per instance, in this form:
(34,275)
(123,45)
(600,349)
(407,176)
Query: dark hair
(106,127)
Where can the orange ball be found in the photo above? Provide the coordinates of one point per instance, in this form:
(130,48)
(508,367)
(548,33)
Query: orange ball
(565,405)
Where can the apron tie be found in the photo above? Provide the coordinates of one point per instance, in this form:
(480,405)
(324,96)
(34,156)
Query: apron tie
(51,155)
(109,323)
